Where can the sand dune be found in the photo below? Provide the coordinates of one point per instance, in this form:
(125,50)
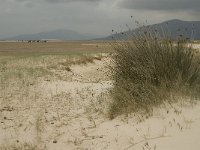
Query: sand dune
(71,114)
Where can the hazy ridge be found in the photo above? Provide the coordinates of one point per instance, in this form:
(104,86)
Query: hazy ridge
(59,34)
(175,27)
(190,29)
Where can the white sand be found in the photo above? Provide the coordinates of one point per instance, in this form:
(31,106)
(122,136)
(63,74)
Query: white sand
(73,113)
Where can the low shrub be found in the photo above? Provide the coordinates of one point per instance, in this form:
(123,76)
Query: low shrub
(149,67)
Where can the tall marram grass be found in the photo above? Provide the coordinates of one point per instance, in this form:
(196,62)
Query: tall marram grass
(149,67)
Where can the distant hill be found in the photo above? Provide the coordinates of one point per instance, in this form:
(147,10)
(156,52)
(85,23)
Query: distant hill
(175,27)
(57,35)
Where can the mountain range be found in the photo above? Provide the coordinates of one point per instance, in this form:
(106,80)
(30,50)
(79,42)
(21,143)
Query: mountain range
(189,29)
(60,34)
(173,26)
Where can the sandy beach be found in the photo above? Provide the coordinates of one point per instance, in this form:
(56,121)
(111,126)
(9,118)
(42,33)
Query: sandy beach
(72,114)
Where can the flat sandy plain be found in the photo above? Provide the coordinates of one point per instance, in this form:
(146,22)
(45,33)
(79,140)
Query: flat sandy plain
(55,96)
(49,48)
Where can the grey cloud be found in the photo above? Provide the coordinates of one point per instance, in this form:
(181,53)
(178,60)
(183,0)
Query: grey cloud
(166,5)
(57,1)
(86,16)
(21,0)
(32,3)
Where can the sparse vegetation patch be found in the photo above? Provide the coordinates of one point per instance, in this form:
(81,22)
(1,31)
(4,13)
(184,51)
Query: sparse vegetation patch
(149,68)
(25,146)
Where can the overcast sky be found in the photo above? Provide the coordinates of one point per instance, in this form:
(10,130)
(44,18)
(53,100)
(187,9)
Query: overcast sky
(89,16)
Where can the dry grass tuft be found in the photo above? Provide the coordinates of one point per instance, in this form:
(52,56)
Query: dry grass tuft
(83,60)
(25,146)
(149,68)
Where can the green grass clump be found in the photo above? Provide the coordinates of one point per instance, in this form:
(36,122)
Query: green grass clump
(149,68)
